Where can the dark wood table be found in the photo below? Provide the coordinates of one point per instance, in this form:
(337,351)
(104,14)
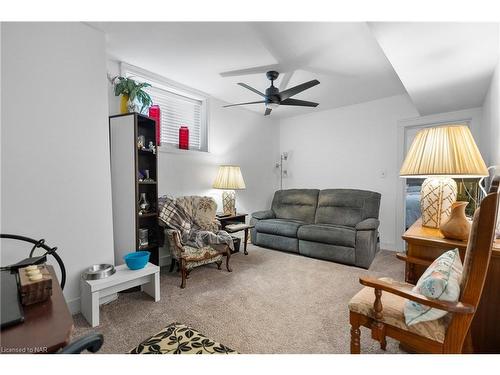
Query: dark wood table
(239,221)
(46,328)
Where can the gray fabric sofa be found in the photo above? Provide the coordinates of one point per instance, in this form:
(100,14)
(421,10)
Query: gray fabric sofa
(339,225)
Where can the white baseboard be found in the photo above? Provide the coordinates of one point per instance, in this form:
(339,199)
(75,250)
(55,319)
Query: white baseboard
(391,246)
(74,306)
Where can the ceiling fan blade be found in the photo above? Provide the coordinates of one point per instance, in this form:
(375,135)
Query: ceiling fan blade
(248,71)
(251,89)
(296,89)
(232,105)
(267,112)
(300,103)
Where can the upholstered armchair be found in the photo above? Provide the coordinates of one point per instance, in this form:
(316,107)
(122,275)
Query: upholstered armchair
(201,211)
(379,306)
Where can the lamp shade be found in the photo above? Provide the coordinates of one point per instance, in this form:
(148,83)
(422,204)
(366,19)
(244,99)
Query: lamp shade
(444,151)
(229,177)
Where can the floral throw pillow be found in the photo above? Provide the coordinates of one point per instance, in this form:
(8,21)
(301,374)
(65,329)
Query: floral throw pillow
(440,281)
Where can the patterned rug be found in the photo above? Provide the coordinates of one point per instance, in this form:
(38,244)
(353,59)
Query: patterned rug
(178,338)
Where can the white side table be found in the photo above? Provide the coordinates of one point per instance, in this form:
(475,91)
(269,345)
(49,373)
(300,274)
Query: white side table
(91,291)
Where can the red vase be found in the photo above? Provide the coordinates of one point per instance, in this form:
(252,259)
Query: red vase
(184,138)
(154,113)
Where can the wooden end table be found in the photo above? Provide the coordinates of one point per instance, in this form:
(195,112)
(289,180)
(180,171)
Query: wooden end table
(46,328)
(235,223)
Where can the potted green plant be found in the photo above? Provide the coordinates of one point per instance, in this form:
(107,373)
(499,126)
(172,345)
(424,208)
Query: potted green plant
(131,91)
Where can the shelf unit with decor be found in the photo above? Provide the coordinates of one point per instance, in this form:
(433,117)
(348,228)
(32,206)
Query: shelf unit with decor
(127,162)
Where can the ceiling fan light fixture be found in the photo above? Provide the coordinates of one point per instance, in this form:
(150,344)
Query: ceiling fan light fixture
(272,105)
(273,98)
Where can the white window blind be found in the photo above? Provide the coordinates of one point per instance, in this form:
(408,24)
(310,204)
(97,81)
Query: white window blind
(179,106)
(176,111)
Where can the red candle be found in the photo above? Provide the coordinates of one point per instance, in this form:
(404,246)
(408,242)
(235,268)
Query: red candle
(154,113)
(184,138)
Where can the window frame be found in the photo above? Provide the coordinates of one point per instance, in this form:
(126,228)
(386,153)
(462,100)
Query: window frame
(176,88)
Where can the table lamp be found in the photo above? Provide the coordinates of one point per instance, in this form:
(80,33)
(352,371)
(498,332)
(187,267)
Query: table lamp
(440,154)
(229,179)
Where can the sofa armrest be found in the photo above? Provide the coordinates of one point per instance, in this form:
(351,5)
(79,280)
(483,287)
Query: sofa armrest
(368,224)
(262,215)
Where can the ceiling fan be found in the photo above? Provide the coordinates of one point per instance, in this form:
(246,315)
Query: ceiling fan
(273,98)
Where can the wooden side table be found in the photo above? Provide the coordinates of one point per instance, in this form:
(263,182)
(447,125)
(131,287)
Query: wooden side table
(46,328)
(236,223)
(428,244)
(231,219)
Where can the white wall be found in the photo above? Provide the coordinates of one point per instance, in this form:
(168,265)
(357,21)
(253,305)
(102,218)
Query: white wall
(491,121)
(349,147)
(236,136)
(55,174)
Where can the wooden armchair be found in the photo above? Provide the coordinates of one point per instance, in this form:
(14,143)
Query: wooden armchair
(201,211)
(188,257)
(379,306)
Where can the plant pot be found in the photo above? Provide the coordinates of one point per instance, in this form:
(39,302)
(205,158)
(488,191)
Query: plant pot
(458,227)
(132,106)
(124,104)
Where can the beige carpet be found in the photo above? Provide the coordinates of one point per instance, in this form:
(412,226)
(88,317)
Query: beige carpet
(272,302)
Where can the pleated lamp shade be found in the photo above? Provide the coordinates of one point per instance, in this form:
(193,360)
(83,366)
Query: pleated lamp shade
(439,154)
(229,177)
(444,151)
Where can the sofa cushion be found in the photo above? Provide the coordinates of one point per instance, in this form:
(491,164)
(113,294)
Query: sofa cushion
(346,206)
(273,241)
(280,227)
(331,234)
(295,204)
(335,253)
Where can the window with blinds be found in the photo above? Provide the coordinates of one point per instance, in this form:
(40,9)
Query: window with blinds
(179,106)
(176,111)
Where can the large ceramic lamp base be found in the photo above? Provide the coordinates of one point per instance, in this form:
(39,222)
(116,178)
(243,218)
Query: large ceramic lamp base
(229,202)
(437,196)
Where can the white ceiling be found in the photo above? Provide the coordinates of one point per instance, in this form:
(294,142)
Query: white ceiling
(344,57)
(443,66)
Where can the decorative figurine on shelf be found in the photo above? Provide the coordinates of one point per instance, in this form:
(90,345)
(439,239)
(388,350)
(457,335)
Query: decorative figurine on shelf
(151,147)
(146,177)
(143,238)
(144,205)
(141,142)
(140,175)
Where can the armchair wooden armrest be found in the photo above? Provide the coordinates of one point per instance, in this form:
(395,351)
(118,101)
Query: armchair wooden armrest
(413,260)
(455,307)
(174,239)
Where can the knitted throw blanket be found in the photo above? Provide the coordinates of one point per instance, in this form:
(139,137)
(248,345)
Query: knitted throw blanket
(174,216)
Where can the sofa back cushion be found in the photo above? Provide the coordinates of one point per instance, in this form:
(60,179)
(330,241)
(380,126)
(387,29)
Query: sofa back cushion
(346,206)
(297,204)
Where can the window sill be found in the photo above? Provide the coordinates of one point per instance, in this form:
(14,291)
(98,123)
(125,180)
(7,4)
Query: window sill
(171,149)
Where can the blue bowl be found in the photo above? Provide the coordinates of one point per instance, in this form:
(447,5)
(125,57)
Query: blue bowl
(137,260)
